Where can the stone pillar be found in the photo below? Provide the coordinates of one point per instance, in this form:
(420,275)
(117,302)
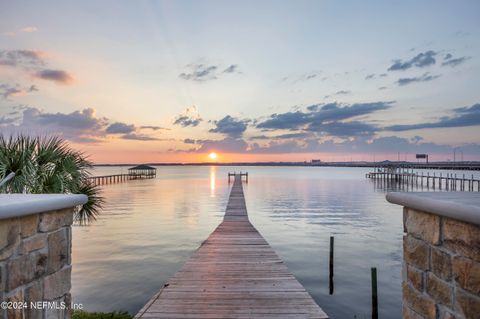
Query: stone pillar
(35,265)
(441,267)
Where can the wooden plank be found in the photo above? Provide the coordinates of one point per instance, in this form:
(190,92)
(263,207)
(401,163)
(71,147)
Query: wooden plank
(233,274)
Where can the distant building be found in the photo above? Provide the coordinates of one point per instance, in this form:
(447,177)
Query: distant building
(316,162)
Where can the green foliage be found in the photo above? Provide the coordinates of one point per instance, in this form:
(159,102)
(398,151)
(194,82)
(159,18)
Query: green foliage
(100,315)
(48,165)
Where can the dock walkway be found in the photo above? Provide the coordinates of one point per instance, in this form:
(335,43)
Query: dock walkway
(234,274)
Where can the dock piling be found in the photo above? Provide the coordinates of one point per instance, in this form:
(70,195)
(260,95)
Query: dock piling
(374,293)
(331,287)
(407,179)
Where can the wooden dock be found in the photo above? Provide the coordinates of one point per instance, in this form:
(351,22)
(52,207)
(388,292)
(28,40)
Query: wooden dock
(234,274)
(448,181)
(117,178)
(138,172)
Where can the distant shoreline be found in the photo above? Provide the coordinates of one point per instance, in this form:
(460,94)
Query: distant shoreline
(473,165)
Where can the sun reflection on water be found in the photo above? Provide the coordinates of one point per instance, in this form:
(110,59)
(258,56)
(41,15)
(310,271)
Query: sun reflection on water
(213,172)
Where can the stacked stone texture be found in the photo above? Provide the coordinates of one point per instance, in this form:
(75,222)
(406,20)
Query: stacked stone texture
(35,263)
(441,267)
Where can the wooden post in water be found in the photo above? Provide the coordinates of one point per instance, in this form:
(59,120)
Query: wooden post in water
(331,266)
(374,293)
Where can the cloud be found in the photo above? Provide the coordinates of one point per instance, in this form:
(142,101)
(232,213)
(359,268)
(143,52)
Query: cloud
(344,129)
(138,137)
(333,128)
(24,58)
(462,117)
(32,88)
(302,77)
(260,137)
(379,145)
(373,76)
(81,126)
(226,145)
(34,63)
(78,126)
(230,126)
(202,72)
(233,68)
(282,136)
(318,115)
(341,92)
(291,135)
(131,132)
(7,90)
(416,139)
(84,119)
(426,77)
(185,121)
(58,76)
(382,88)
(28,29)
(153,127)
(278,147)
(120,128)
(453,62)
(189,117)
(7,120)
(420,60)
(288,120)
(189,141)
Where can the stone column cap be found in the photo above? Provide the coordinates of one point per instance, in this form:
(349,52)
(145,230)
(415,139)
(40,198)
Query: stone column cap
(15,205)
(464,206)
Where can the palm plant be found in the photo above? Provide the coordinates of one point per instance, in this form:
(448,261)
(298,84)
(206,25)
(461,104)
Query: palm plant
(48,165)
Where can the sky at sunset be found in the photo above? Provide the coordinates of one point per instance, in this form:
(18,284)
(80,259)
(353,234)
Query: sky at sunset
(164,81)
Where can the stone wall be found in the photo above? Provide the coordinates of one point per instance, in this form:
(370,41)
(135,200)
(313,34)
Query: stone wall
(35,264)
(441,267)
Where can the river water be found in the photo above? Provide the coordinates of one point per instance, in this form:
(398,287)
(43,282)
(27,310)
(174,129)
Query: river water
(149,228)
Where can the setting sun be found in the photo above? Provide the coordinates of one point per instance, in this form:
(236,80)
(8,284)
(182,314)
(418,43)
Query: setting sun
(212,156)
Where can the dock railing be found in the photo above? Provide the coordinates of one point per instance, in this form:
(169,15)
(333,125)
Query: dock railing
(448,181)
(241,175)
(117,178)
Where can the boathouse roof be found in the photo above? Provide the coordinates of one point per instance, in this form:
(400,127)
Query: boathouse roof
(141,167)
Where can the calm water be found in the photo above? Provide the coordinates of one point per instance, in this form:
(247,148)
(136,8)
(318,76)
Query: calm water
(149,228)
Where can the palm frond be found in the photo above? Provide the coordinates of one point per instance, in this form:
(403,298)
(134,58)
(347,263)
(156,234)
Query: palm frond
(48,165)
(90,210)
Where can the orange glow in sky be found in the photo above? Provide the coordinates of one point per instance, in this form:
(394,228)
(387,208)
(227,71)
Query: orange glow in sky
(184,94)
